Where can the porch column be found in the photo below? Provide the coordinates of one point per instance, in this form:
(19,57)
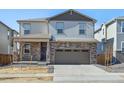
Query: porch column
(48,52)
(14,50)
(20,52)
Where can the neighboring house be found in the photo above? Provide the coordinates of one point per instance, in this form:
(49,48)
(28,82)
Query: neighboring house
(111,38)
(6,39)
(66,38)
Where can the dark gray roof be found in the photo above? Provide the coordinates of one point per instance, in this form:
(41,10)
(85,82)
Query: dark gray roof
(71,10)
(49,18)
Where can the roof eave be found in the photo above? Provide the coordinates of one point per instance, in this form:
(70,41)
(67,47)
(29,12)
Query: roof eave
(94,20)
(18,21)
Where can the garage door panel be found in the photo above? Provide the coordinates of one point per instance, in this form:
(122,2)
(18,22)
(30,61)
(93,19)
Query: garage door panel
(72,57)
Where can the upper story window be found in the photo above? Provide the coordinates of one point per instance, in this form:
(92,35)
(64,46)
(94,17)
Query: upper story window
(8,35)
(27,48)
(27,28)
(122,46)
(60,27)
(82,28)
(122,26)
(103,31)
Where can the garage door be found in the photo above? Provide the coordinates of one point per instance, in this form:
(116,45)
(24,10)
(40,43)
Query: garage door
(72,57)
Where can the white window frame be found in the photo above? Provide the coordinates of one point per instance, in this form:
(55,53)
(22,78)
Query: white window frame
(122,26)
(8,35)
(24,28)
(83,28)
(57,28)
(121,46)
(29,48)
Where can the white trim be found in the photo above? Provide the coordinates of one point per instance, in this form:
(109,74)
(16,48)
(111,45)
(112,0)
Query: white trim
(24,28)
(121,46)
(122,22)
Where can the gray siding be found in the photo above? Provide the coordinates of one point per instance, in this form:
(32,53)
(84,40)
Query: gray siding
(112,34)
(120,36)
(5,41)
(36,28)
(71,29)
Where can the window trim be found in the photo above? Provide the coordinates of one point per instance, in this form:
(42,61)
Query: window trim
(24,28)
(62,29)
(122,26)
(121,46)
(8,35)
(24,48)
(82,29)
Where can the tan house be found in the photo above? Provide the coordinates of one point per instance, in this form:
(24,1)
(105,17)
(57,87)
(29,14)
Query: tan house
(66,38)
(6,39)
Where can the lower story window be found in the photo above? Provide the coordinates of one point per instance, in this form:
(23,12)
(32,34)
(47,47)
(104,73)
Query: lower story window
(81,31)
(27,48)
(122,47)
(60,31)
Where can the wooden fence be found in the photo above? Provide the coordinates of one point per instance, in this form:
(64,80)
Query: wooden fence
(104,59)
(101,59)
(6,59)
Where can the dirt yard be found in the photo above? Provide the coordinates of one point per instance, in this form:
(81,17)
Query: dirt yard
(26,69)
(27,80)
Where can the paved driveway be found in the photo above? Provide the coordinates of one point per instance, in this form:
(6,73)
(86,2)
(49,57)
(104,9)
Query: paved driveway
(83,73)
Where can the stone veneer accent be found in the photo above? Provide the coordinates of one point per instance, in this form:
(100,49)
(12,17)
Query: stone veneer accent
(35,52)
(36,49)
(70,45)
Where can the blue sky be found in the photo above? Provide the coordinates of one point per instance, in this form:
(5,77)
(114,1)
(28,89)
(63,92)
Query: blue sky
(10,16)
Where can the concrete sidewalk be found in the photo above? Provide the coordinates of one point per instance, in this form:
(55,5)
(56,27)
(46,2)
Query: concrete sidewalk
(83,73)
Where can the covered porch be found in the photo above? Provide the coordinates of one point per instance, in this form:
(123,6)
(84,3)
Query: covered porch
(32,48)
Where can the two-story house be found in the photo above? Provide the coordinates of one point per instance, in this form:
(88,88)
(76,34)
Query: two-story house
(111,38)
(66,38)
(6,38)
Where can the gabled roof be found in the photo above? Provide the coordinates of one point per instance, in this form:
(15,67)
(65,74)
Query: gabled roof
(5,25)
(71,10)
(53,17)
(114,19)
(98,29)
(110,22)
(8,26)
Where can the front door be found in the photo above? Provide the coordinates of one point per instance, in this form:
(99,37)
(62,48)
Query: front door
(43,51)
